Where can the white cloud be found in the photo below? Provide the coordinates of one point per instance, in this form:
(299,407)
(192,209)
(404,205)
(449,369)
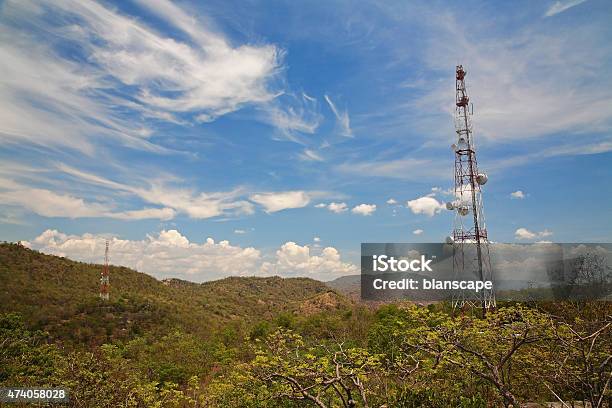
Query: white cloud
(425,205)
(316,239)
(391,201)
(273,202)
(163,214)
(240,231)
(170,254)
(526,73)
(296,260)
(417,231)
(518,194)
(294,117)
(560,6)
(70,101)
(405,169)
(311,155)
(48,203)
(337,207)
(545,233)
(524,233)
(198,205)
(364,209)
(342,117)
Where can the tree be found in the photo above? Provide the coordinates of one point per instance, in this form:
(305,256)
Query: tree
(584,366)
(499,350)
(326,375)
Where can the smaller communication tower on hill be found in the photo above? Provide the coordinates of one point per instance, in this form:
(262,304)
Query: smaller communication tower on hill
(104,282)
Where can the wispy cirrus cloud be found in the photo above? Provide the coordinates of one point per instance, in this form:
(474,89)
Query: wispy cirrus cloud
(525,75)
(560,6)
(198,205)
(406,168)
(64,191)
(49,203)
(342,118)
(293,116)
(118,67)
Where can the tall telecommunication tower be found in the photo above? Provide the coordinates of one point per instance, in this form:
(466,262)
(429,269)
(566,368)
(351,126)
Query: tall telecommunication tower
(104,283)
(470,241)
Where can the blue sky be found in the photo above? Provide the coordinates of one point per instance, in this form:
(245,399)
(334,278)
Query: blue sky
(285,128)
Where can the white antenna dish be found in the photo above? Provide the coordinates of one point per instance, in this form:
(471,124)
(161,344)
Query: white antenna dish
(450,206)
(449,240)
(463,210)
(482,179)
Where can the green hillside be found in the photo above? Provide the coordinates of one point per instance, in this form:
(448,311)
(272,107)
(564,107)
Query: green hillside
(273,342)
(60,296)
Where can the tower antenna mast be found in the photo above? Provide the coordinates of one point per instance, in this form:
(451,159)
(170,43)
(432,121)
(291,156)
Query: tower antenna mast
(104,282)
(470,239)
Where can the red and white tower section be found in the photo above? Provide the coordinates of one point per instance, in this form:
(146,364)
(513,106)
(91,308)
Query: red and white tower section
(470,238)
(104,281)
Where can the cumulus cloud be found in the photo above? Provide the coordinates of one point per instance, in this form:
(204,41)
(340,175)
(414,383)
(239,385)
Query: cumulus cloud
(391,201)
(168,254)
(171,254)
(337,207)
(425,205)
(524,233)
(296,260)
(364,209)
(518,194)
(273,202)
(417,231)
(333,207)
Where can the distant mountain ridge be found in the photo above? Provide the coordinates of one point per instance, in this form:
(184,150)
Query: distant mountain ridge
(60,295)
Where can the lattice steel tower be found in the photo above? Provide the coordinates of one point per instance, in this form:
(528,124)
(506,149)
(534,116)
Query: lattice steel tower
(470,240)
(104,282)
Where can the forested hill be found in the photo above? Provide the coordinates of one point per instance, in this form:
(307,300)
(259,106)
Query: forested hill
(60,296)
